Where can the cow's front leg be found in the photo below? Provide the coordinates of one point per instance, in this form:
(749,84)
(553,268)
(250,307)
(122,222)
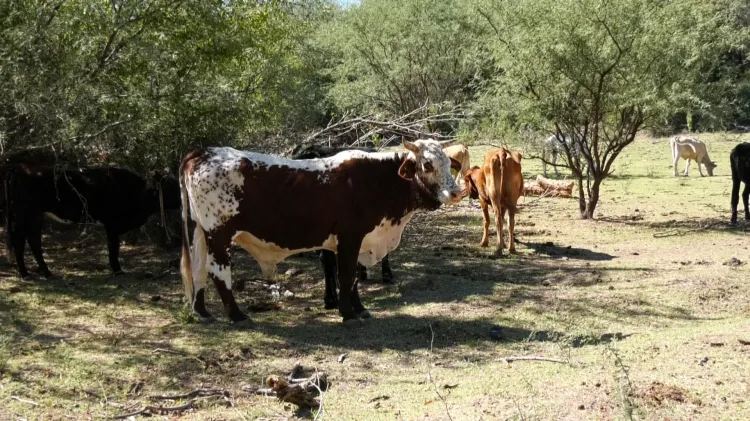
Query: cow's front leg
(386,270)
(18,234)
(361,272)
(113,246)
(687,167)
(348,252)
(328,261)
(745,197)
(700,171)
(219,263)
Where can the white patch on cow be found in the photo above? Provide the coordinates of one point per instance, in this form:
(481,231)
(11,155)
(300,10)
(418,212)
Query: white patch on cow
(269,254)
(317,164)
(382,240)
(221,272)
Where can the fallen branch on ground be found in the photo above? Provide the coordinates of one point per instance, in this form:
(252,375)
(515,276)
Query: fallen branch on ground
(531,358)
(152,410)
(192,394)
(676,232)
(24,400)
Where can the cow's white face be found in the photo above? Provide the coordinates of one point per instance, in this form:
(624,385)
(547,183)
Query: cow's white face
(428,162)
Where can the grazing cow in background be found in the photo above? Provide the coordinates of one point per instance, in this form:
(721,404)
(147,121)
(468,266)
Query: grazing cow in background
(355,203)
(115,197)
(459,153)
(739,160)
(498,183)
(689,148)
(327,257)
(552,148)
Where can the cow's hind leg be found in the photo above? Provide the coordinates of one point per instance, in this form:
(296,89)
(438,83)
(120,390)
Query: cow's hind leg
(385,267)
(328,261)
(113,246)
(512,232)
(499,217)
(486,231)
(348,252)
(35,244)
(17,233)
(219,263)
(745,197)
(361,272)
(736,197)
(200,274)
(687,167)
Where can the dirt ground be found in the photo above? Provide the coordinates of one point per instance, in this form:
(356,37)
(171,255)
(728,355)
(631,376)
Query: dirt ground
(645,310)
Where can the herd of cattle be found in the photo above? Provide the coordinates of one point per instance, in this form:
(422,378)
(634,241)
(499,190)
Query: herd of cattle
(350,205)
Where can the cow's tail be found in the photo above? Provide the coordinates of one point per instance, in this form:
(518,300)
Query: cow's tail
(186,267)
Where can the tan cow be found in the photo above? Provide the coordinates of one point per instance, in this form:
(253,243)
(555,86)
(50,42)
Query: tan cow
(461,154)
(498,183)
(689,148)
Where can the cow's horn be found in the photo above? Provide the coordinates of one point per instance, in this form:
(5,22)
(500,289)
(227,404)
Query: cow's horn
(446,143)
(410,146)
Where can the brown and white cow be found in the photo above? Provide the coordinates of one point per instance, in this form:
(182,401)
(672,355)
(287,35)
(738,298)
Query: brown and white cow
(689,148)
(355,203)
(460,154)
(498,183)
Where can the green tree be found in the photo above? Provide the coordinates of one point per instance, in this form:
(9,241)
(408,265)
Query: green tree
(394,56)
(596,71)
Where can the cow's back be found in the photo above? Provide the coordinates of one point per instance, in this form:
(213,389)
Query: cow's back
(740,162)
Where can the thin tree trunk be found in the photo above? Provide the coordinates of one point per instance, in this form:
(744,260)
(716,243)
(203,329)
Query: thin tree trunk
(593,200)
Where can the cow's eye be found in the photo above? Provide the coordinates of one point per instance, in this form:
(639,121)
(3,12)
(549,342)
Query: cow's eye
(428,167)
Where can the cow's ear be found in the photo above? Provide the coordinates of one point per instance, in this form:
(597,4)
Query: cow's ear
(455,164)
(408,169)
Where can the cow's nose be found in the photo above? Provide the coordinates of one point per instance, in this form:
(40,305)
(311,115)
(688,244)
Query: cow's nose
(456,195)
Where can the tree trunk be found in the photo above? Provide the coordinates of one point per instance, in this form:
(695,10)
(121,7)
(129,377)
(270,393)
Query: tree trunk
(587,211)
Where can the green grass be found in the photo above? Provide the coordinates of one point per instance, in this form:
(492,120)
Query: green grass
(76,345)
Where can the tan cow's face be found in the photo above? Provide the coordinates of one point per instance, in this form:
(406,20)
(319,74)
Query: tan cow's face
(431,166)
(710,165)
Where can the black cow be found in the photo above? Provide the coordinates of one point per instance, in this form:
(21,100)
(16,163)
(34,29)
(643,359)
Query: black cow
(739,160)
(328,258)
(117,198)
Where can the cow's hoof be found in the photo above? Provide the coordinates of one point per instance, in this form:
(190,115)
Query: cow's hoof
(352,323)
(244,324)
(119,273)
(364,315)
(388,278)
(331,306)
(484,244)
(204,320)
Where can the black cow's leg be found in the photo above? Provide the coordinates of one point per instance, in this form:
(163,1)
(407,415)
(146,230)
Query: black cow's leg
(745,197)
(328,261)
(113,245)
(18,234)
(385,267)
(35,244)
(357,305)
(348,252)
(361,272)
(220,271)
(735,197)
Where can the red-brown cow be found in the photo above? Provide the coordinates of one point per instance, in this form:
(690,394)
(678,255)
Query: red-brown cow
(355,203)
(498,183)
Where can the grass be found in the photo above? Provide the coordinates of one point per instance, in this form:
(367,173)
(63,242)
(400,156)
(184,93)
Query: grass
(651,325)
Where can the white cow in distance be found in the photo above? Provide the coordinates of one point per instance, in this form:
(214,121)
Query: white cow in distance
(552,148)
(689,148)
